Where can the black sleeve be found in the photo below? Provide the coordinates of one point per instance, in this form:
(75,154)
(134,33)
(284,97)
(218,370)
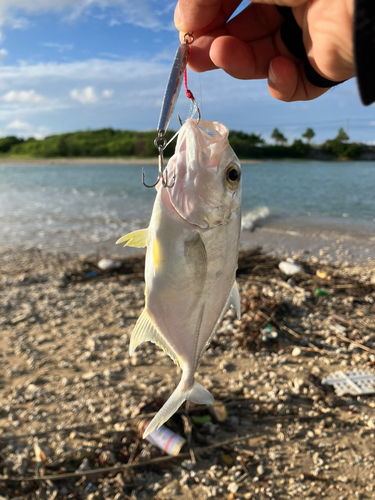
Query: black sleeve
(364,48)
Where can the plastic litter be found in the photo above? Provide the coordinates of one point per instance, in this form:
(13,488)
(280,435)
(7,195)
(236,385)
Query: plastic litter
(201,419)
(290,268)
(218,411)
(356,382)
(90,274)
(163,438)
(269,333)
(321,292)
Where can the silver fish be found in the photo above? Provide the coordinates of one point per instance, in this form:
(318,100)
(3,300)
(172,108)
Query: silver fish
(191,260)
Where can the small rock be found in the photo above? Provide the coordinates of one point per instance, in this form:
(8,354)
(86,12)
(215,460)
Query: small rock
(108,457)
(296,352)
(260,470)
(290,268)
(233,487)
(108,264)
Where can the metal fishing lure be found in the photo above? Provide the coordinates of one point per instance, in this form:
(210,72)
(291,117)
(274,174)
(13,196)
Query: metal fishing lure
(169,102)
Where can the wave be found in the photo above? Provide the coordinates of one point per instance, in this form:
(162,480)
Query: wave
(251,218)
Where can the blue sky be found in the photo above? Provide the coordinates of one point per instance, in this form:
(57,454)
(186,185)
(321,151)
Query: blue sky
(70,65)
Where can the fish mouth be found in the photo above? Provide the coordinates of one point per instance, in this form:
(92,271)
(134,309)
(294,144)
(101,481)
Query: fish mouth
(199,195)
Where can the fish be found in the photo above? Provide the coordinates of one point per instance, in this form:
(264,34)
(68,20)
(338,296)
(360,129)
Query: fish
(191,259)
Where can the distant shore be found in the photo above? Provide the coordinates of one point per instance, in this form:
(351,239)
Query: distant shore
(90,161)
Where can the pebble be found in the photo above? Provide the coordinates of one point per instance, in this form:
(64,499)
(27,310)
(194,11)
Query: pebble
(233,487)
(296,352)
(290,268)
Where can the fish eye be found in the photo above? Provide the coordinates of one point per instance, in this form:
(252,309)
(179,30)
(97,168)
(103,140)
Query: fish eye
(233,175)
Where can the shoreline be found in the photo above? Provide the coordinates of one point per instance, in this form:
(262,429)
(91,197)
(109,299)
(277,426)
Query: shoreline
(277,238)
(92,161)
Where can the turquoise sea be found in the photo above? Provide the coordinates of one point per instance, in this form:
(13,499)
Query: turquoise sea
(61,207)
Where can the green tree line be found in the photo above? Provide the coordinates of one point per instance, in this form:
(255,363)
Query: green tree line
(127,143)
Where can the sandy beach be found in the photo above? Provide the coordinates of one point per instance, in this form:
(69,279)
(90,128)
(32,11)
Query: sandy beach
(71,398)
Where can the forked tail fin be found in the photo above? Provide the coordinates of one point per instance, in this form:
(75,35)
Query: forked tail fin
(196,394)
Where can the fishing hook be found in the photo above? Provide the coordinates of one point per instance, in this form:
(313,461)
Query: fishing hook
(170,98)
(160,144)
(199,115)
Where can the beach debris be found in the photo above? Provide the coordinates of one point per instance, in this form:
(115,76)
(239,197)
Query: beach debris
(219,411)
(163,438)
(269,333)
(290,268)
(182,250)
(201,419)
(109,264)
(276,398)
(318,291)
(356,382)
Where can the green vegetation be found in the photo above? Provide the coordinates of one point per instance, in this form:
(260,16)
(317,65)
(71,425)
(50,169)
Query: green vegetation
(278,137)
(309,135)
(91,143)
(127,143)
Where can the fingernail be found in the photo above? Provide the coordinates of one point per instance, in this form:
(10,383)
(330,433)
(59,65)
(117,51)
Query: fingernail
(271,75)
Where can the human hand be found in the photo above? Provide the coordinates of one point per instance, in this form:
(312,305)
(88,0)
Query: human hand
(249,46)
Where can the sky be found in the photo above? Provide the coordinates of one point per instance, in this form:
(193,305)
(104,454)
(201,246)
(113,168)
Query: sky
(68,65)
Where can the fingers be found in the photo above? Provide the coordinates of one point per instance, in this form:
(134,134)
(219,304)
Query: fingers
(282,3)
(207,15)
(234,56)
(287,82)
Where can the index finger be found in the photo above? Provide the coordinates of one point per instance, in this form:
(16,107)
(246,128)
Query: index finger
(195,15)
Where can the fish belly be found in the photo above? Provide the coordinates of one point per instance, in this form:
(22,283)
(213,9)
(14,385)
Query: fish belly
(189,277)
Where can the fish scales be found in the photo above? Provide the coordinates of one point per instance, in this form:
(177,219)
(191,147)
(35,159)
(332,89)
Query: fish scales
(191,259)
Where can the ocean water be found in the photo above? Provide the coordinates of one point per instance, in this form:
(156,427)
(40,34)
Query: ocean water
(61,207)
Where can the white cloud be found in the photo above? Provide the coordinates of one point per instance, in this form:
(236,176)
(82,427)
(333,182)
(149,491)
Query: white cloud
(24,129)
(143,13)
(84,96)
(18,125)
(91,69)
(107,93)
(24,96)
(60,47)
(3,53)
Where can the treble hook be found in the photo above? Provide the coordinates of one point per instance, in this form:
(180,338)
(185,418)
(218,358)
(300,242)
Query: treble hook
(160,143)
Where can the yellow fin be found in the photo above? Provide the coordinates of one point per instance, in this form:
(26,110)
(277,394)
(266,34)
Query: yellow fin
(137,239)
(145,331)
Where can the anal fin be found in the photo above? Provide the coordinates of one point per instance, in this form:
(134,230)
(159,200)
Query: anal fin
(146,331)
(233,300)
(137,239)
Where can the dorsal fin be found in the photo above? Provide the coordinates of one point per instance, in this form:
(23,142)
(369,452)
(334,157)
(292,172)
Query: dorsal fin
(137,239)
(144,331)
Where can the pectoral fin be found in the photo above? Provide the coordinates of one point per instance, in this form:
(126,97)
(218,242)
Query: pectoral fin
(137,239)
(145,331)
